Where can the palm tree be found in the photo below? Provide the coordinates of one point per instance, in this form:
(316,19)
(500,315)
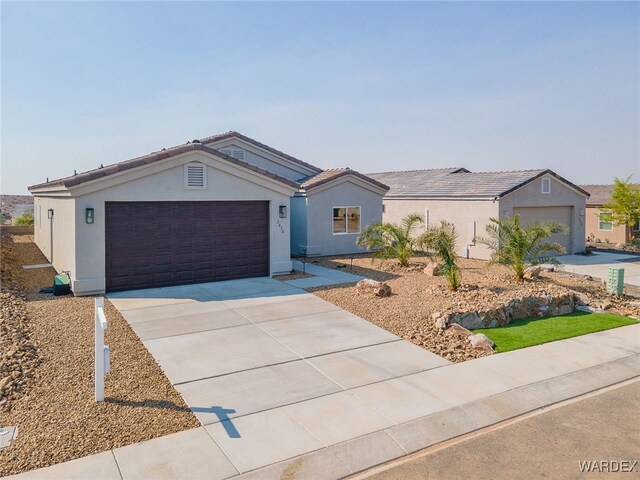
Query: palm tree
(388,240)
(442,241)
(518,247)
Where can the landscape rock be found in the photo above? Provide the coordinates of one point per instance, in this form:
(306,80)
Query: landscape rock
(368,287)
(481,341)
(441,322)
(432,269)
(584,308)
(581,298)
(456,329)
(533,272)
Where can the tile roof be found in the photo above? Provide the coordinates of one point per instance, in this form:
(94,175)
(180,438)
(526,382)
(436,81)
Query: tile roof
(333,173)
(600,194)
(233,134)
(458,182)
(97,173)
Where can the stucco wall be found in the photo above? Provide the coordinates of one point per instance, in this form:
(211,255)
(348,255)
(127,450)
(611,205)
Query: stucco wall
(561,195)
(320,237)
(63,227)
(168,185)
(466,215)
(617,235)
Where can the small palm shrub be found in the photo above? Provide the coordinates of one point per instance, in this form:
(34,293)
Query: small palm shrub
(519,247)
(441,240)
(391,241)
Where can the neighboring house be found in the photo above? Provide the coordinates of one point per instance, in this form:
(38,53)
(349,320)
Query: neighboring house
(223,207)
(598,228)
(469,199)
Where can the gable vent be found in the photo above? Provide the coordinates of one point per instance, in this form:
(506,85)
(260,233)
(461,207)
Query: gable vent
(195,177)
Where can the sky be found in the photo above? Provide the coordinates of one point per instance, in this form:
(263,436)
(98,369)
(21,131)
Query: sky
(373,86)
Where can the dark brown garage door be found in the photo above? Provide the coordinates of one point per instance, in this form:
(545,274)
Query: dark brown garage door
(157,244)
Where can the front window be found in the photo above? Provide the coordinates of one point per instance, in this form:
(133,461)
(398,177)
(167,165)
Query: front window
(605,224)
(346,220)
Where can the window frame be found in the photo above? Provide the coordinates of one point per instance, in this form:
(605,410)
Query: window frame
(600,221)
(346,219)
(547,181)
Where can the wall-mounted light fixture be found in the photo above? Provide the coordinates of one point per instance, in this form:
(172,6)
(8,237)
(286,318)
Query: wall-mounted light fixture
(282,210)
(88,215)
(50,213)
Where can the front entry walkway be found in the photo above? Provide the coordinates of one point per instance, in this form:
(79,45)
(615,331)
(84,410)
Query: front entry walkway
(288,385)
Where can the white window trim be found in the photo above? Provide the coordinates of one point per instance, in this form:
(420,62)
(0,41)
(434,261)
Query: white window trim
(600,221)
(546,180)
(346,225)
(186,176)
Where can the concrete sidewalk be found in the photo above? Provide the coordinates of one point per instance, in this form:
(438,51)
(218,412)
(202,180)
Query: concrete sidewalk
(287,384)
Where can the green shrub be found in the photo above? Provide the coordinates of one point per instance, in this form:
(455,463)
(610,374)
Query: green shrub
(388,240)
(441,240)
(24,219)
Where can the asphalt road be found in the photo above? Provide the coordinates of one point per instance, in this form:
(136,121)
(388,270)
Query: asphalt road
(605,427)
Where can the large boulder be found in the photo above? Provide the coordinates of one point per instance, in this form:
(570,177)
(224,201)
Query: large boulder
(373,287)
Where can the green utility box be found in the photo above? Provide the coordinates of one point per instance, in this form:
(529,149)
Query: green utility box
(615,280)
(62,284)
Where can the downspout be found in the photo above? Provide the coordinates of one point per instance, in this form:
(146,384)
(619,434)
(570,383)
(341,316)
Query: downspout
(50,212)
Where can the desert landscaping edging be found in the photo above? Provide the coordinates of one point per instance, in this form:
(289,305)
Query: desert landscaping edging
(516,309)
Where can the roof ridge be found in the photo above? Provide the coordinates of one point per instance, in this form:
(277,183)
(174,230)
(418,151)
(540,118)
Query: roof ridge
(512,171)
(417,170)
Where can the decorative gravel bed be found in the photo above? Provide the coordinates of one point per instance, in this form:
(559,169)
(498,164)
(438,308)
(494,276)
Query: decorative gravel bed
(54,409)
(416,296)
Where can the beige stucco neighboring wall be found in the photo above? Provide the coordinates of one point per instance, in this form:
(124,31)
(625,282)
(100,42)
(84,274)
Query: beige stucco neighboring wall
(561,195)
(62,225)
(466,215)
(616,235)
(165,182)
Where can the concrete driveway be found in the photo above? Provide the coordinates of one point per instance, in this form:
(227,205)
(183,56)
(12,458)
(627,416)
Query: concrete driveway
(246,348)
(597,265)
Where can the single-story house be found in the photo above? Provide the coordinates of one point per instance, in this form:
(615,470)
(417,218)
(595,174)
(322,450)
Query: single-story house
(598,229)
(469,199)
(218,208)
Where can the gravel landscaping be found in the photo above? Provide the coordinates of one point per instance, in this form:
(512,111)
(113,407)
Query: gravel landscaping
(47,345)
(416,297)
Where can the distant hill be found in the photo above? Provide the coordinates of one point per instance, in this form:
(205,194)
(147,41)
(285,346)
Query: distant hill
(13,205)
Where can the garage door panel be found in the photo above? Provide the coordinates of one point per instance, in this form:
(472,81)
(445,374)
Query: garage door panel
(562,215)
(150,244)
